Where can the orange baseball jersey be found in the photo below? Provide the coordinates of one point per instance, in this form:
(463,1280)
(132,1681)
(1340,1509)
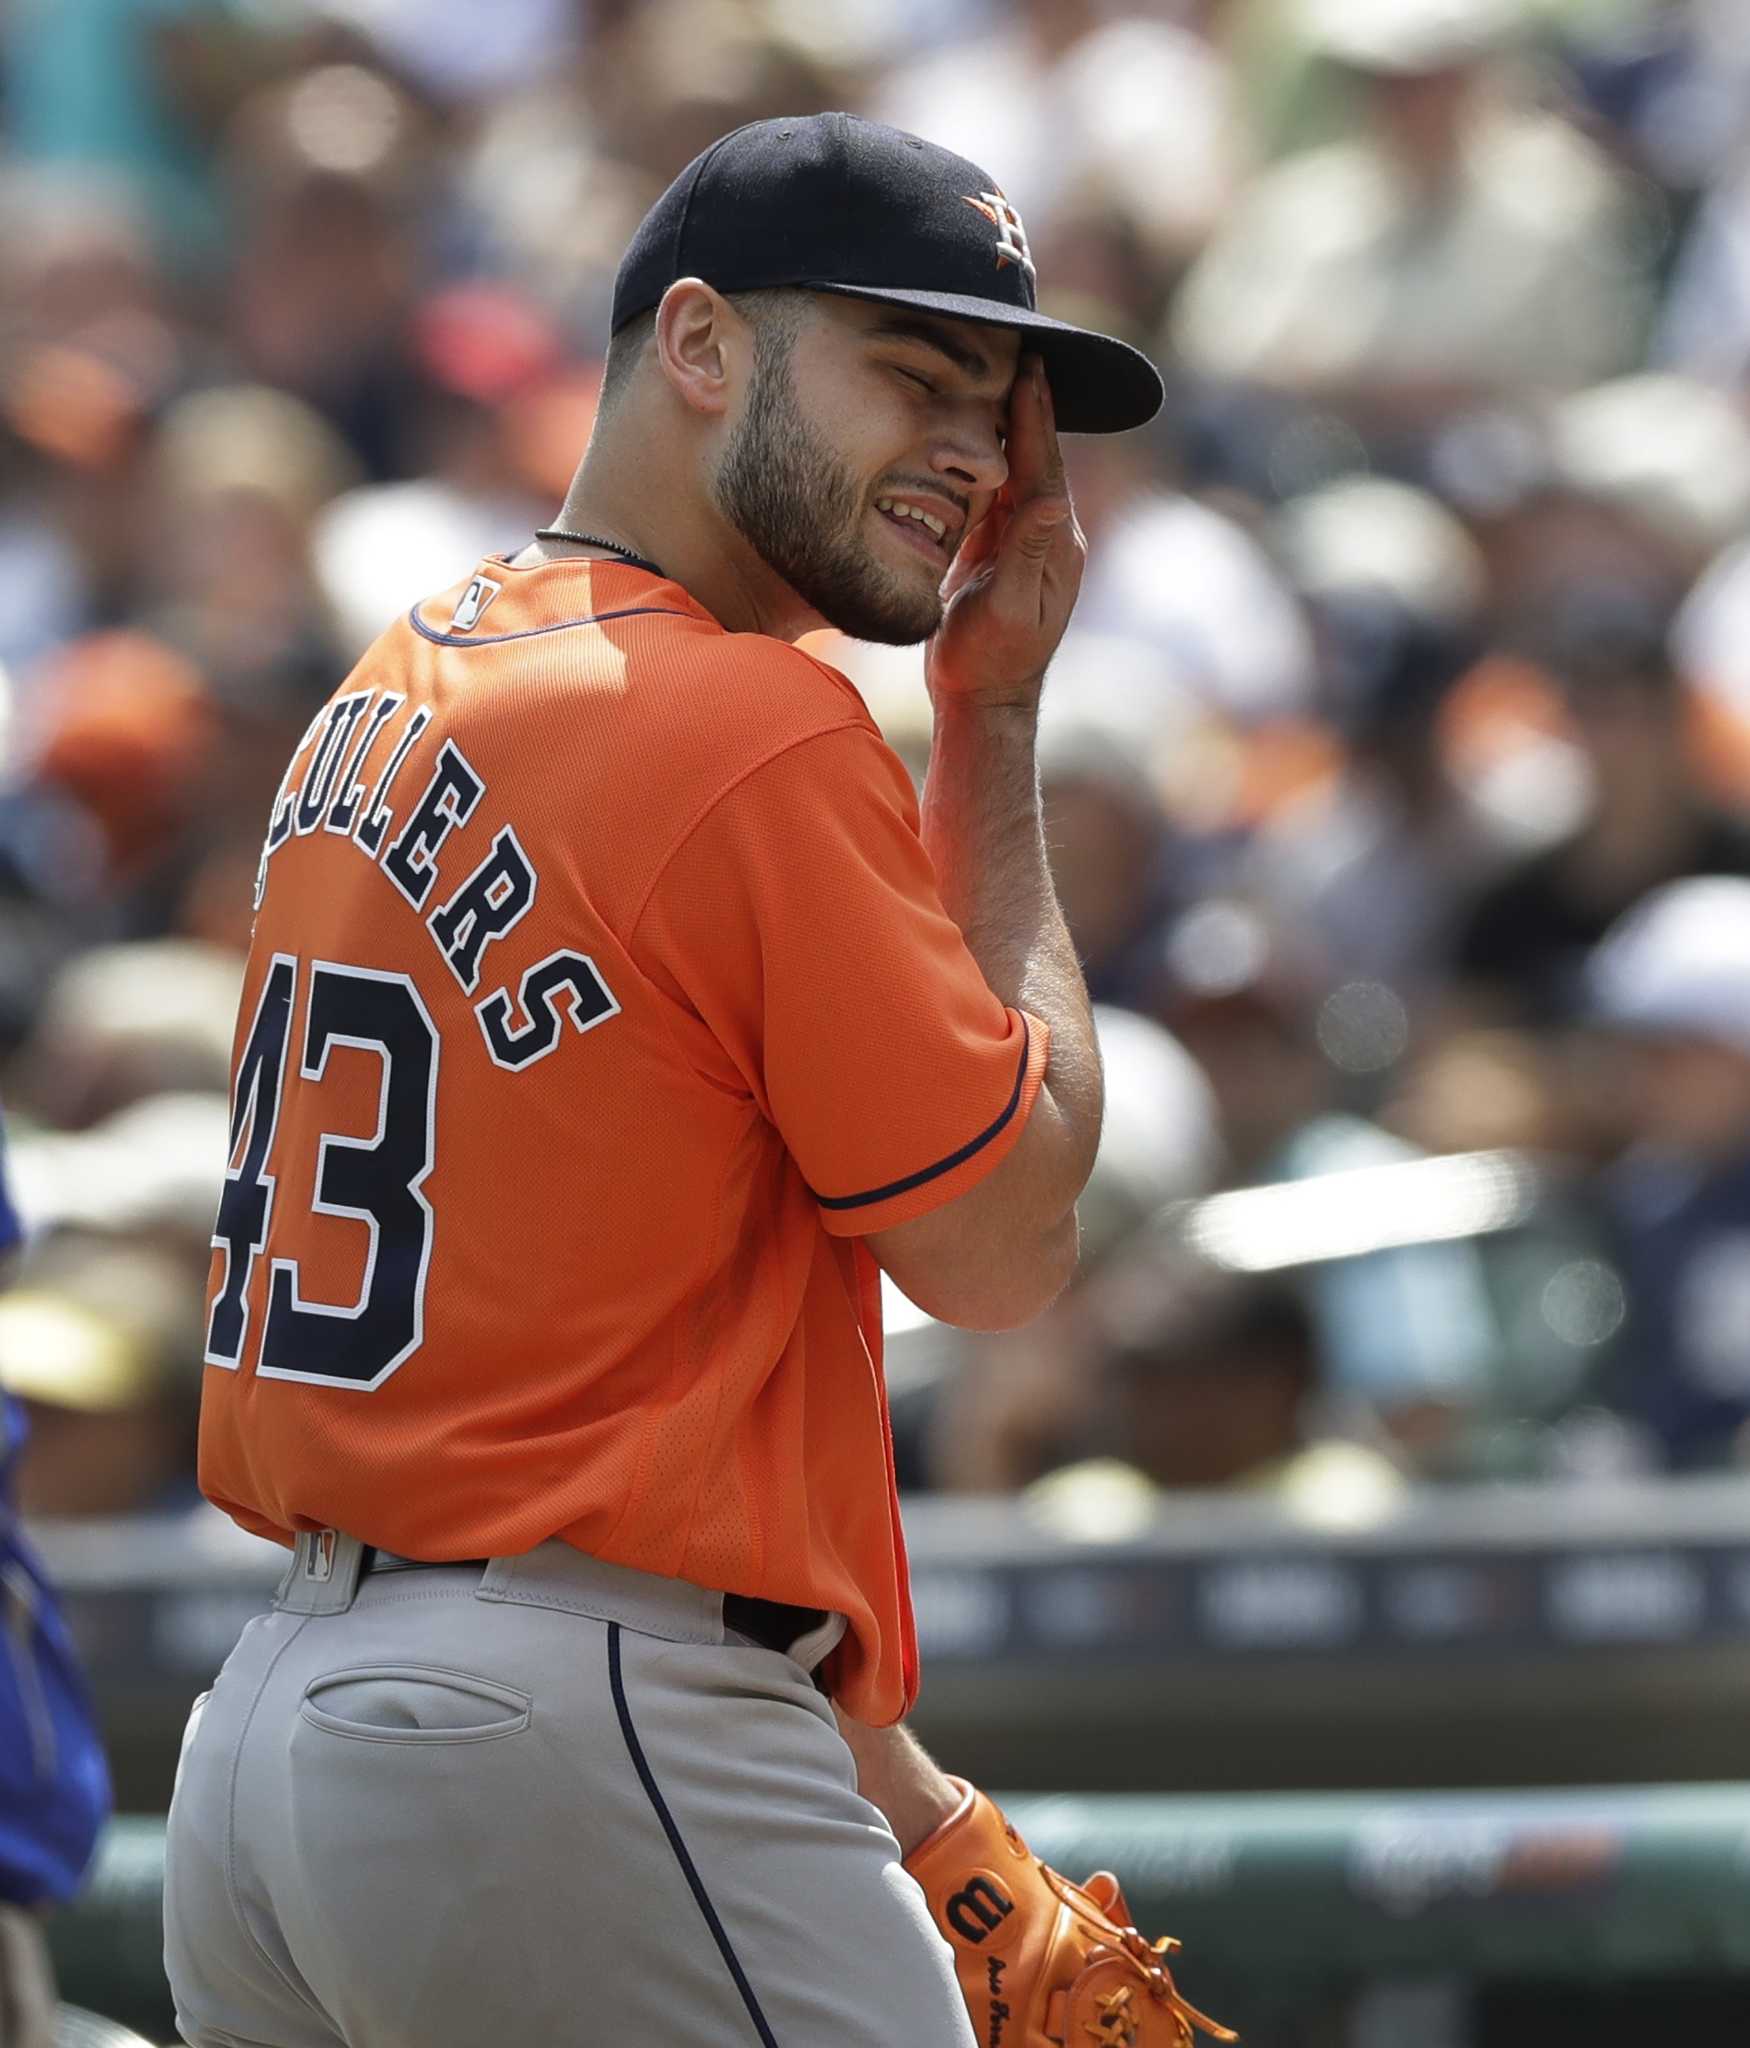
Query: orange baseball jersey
(601,998)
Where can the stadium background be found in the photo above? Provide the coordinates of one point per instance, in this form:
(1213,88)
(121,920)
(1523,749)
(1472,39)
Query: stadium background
(1359,1552)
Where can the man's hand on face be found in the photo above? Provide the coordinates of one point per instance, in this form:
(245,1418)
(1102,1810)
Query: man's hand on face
(1014,582)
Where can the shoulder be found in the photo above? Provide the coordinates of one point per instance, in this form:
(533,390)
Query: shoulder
(645,674)
(778,686)
(730,703)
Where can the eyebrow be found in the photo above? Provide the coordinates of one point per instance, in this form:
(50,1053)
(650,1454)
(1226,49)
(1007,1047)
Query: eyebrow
(907,327)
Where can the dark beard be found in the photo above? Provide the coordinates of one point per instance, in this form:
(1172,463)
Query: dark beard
(800,509)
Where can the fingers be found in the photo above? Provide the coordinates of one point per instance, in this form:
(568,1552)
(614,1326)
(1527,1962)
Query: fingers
(1036,482)
(1033,500)
(1014,580)
(1035,458)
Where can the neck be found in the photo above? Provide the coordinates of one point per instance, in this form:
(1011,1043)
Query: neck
(661,508)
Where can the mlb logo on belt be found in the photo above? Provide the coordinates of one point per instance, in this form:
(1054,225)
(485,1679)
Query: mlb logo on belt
(1011,236)
(319,1554)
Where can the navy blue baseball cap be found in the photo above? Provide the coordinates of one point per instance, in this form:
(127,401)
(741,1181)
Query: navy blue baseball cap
(832,203)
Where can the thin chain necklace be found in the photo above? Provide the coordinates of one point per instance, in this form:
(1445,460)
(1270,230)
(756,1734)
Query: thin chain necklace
(599,540)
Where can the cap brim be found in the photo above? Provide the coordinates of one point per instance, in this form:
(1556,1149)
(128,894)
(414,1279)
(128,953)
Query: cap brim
(1098,385)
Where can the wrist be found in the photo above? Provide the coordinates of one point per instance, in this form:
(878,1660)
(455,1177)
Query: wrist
(974,681)
(897,1775)
(956,1800)
(925,1806)
(1013,712)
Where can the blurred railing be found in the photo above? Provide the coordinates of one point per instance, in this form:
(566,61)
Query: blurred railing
(1502,1636)
(1287,1907)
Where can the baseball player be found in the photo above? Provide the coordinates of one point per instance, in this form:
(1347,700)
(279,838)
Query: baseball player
(614,1015)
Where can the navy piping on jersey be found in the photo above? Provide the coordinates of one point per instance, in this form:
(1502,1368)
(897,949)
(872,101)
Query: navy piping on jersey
(631,611)
(954,1159)
(689,1870)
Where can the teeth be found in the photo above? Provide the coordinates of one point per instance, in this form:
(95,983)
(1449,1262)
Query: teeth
(901,510)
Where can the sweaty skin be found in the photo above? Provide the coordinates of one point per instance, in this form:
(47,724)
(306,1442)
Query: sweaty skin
(884,410)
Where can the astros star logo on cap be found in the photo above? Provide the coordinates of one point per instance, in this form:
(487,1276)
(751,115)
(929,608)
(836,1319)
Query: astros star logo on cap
(1011,236)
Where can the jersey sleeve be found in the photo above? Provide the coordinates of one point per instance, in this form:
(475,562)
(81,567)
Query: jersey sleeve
(800,920)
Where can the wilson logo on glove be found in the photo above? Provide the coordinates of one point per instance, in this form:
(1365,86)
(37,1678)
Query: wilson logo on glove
(977,1909)
(1073,1968)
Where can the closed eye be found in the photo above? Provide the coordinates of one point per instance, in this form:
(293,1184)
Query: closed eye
(914,377)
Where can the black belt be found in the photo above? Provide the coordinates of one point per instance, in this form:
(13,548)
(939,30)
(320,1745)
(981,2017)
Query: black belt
(371,1559)
(770,1623)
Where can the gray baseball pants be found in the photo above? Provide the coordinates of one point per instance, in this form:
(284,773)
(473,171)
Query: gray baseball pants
(549,1802)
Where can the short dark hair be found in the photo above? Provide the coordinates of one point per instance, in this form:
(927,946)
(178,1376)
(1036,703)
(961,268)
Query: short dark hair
(776,317)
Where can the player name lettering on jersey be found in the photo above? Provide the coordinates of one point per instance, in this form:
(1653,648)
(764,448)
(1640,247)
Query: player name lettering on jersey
(399,816)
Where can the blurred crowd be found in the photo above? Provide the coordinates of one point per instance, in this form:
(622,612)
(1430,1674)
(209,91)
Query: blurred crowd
(1397,762)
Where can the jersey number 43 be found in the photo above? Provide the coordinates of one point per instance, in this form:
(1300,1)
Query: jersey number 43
(375,1180)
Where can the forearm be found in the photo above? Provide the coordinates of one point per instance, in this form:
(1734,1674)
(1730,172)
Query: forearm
(983,827)
(896,1773)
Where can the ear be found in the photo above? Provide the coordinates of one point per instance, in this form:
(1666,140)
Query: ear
(703,346)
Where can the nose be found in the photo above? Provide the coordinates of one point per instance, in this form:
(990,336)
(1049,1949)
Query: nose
(969,454)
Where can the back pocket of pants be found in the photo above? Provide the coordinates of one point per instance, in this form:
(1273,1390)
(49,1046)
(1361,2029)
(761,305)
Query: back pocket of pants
(414,1703)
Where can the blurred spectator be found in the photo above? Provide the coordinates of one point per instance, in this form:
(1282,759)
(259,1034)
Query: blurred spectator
(131,87)
(1242,993)
(94,341)
(1079,104)
(1521,948)
(1670,456)
(1372,865)
(438,43)
(123,1023)
(1553,1281)
(100,1342)
(1110,854)
(481,351)
(1711,644)
(998,1410)
(107,781)
(1669,80)
(326,170)
(1408,1332)
(1208,1378)
(122,732)
(668,77)
(1186,583)
(1462,245)
(1699,136)
(1672,979)
(142,1176)
(240,474)
(1641,481)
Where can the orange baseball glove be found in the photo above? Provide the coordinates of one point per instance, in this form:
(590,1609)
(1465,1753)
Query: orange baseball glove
(1044,1963)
